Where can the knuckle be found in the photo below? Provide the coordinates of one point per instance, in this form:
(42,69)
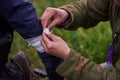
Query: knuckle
(59,37)
(48,9)
(50,46)
(43,19)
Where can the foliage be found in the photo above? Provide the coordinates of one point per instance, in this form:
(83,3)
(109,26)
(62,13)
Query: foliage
(92,43)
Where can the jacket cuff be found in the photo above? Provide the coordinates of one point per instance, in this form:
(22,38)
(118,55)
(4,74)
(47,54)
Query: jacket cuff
(68,64)
(68,21)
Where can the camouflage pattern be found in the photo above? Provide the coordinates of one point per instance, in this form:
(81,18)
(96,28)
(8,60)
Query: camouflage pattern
(87,14)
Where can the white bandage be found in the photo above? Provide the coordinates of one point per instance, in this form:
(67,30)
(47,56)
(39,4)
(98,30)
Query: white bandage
(35,42)
(47,31)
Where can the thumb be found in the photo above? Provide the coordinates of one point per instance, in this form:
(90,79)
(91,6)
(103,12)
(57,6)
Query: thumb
(50,36)
(53,37)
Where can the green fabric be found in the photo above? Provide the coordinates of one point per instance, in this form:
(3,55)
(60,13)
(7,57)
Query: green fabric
(67,66)
(88,13)
(90,71)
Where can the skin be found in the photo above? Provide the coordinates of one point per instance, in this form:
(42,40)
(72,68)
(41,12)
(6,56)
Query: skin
(56,16)
(55,45)
(117,2)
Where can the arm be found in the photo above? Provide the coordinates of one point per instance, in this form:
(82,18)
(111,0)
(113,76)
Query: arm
(75,66)
(86,13)
(22,17)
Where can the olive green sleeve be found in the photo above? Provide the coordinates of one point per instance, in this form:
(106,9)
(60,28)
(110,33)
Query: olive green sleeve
(85,13)
(77,67)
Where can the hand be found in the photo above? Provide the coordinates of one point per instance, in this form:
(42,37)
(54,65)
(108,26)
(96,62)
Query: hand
(55,15)
(54,45)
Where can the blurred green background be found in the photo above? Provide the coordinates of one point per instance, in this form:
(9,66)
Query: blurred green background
(92,43)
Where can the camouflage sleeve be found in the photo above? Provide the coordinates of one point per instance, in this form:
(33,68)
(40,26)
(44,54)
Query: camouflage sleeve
(77,67)
(86,13)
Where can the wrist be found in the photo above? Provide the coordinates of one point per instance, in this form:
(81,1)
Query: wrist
(68,17)
(65,56)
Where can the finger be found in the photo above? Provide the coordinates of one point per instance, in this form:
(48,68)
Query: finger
(44,22)
(43,44)
(46,40)
(45,19)
(44,25)
(55,22)
(53,37)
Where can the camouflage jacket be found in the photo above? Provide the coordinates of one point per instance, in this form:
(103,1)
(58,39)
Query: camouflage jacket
(88,13)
